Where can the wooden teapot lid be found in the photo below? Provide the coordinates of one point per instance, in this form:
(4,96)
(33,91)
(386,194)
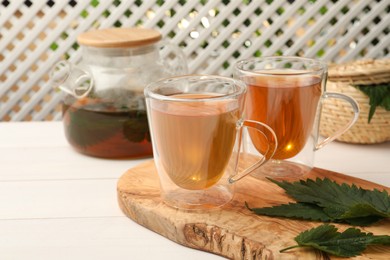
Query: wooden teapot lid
(119,37)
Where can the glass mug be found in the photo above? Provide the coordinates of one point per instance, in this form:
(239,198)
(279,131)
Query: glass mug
(286,93)
(196,126)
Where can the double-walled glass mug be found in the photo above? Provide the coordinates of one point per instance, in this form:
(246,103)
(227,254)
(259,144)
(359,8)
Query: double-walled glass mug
(195,123)
(286,93)
(104,112)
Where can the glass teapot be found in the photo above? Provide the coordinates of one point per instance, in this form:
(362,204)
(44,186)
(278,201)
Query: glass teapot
(103,108)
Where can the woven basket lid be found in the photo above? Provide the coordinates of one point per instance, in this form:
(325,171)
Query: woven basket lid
(119,37)
(361,71)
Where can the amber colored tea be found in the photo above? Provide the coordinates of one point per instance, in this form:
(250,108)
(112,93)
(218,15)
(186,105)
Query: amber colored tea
(102,130)
(288,104)
(195,139)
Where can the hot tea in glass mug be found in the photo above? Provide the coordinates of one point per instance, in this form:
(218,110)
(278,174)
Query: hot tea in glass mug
(196,124)
(286,93)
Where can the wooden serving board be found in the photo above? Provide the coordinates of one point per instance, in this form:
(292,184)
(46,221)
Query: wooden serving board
(233,231)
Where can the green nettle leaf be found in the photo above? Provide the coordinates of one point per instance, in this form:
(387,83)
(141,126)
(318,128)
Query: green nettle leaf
(379,95)
(327,201)
(363,221)
(294,210)
(351,242)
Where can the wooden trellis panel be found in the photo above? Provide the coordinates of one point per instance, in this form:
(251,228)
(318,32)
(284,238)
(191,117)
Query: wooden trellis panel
(34,35)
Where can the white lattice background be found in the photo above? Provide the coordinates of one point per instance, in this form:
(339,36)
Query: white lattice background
(34,35)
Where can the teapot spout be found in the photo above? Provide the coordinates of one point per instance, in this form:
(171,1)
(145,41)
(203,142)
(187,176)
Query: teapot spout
(71,79)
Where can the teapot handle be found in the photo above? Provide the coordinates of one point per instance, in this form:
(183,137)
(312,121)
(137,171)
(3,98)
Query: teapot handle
(71,79)
(173,58)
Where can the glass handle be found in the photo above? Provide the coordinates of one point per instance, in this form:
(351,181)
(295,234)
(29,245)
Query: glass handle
(269,134)
(354,118)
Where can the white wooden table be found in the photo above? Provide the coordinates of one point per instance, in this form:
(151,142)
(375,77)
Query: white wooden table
(58,204)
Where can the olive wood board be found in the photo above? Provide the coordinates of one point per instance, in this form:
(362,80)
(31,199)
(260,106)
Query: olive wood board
(233,231)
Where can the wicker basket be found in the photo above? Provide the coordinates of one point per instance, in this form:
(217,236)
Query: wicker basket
(336,113)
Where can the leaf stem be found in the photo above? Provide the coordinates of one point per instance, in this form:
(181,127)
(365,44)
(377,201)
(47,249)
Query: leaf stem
(247,206)
(288,248)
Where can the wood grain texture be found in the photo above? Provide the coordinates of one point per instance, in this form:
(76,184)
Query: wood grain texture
(232,231)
